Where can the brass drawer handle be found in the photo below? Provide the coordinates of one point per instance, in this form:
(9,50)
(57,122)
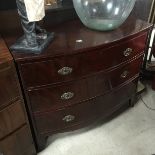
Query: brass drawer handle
(128,52)
(67,96)
(124,74)
(69,118)
(65,71)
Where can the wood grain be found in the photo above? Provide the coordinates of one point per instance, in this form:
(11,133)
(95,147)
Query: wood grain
(11,118)
(83,63)
(19,143)
(102,77)
(14,140)
(84,89)
(98,107)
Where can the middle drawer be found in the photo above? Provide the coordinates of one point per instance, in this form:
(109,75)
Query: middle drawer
(69,93)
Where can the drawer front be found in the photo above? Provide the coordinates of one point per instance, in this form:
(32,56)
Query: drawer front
(18,143)
(68,93)
(75,66)
(125,72)
(11,118)
(8,86)
(71,116)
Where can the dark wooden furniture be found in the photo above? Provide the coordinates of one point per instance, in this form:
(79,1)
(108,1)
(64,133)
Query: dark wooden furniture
(15,135)
(82,77)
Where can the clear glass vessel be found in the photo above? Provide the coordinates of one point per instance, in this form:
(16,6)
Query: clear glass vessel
(103,15)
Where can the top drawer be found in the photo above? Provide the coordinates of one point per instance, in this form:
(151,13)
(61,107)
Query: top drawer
(83,64)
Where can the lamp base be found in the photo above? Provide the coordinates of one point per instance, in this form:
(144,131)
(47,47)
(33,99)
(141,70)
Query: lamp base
(21,44)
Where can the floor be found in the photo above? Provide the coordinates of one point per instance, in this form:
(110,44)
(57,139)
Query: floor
(130,133)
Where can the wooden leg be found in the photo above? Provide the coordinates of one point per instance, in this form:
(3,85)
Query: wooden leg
(153,83)
(41,143)
(132,101)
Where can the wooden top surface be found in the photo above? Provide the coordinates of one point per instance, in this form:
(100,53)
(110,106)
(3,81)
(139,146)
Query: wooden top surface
(68,37)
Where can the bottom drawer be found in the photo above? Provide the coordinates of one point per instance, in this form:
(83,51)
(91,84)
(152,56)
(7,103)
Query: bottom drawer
(19,143)
(11,118)
(74,115)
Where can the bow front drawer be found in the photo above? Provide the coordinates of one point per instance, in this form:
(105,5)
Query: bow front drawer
(18,143)
(125,72)
(68,93)
(66,118)
(75,66)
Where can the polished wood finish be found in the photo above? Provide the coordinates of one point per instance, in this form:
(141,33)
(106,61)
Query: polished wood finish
(98,107)
(83,63)
(9,120)
(15,136)
(67,36)
(19,143)
(84,89)
(125,72)
(83,76)
(5,56)
(101,73)
(7,83)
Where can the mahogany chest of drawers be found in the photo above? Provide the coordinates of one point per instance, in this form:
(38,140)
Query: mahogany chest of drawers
(15,135)
(83,76)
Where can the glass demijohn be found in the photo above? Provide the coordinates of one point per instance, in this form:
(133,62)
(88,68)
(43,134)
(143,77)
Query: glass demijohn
(103,15)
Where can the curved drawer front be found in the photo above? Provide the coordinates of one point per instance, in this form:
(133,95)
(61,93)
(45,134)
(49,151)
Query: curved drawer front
(11,118)
(69,93)
(125,72)
(71,116)
(7,84)
(83,64)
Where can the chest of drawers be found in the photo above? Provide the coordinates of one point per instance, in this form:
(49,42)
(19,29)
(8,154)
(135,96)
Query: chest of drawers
(82,77)
(15,135)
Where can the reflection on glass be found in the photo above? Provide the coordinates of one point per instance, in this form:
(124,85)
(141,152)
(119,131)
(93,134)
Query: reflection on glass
(103,14)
